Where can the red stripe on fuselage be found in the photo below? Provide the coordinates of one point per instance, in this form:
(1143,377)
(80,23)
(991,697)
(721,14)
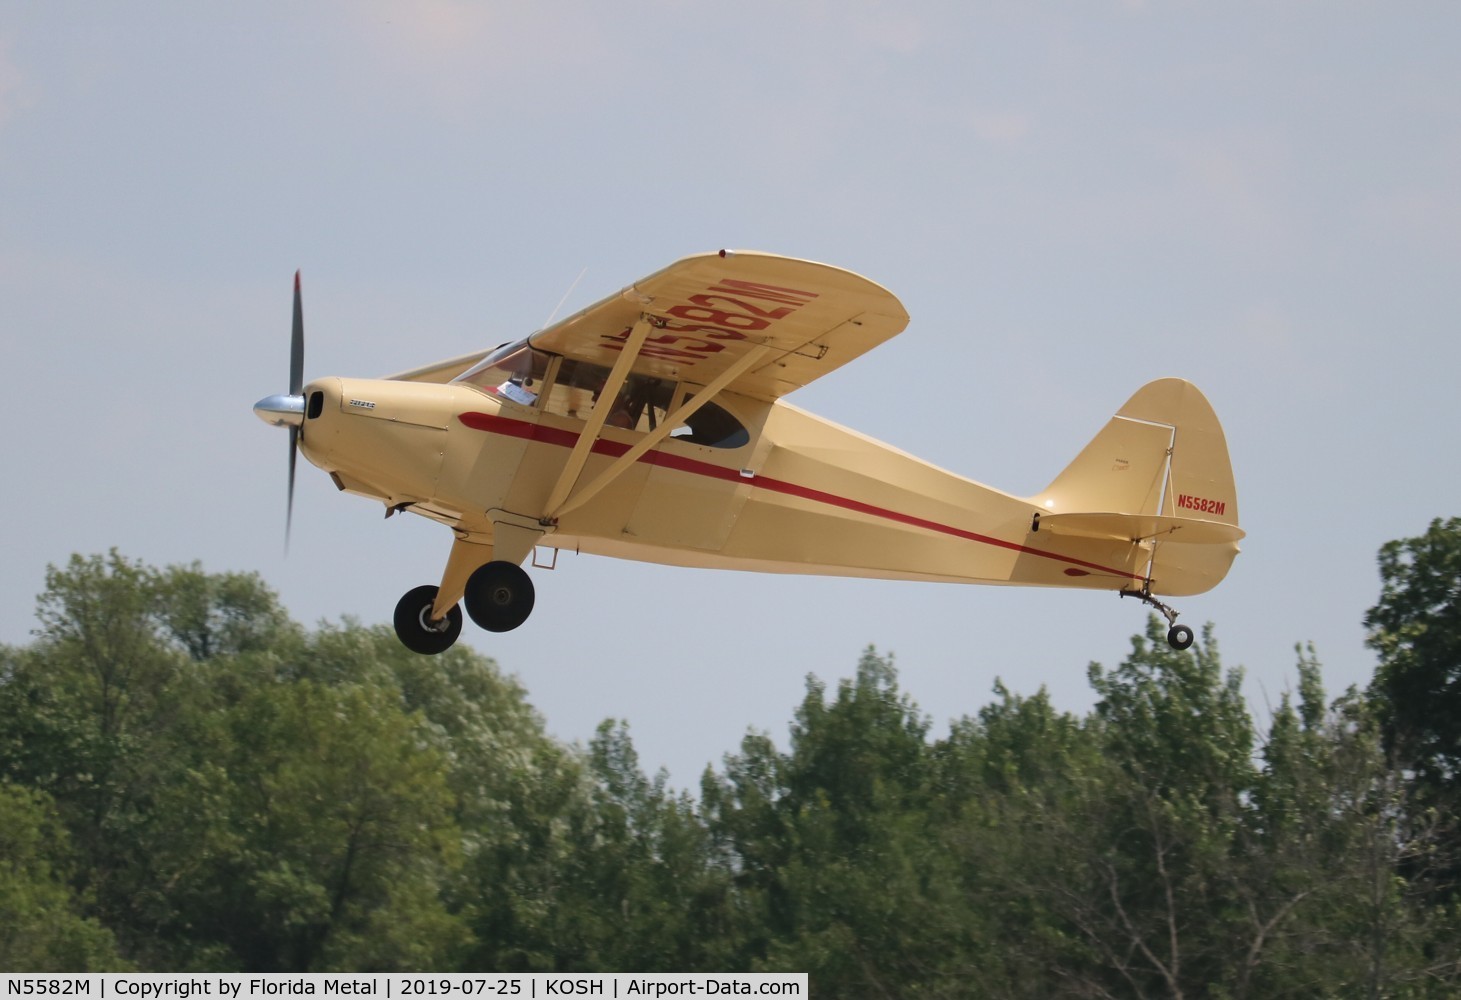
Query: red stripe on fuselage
(510,427)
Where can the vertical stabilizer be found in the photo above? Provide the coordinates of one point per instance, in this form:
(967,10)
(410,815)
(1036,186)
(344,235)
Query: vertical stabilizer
(1159,475)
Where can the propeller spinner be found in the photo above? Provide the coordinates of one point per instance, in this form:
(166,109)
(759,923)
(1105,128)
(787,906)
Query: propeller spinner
(287,409)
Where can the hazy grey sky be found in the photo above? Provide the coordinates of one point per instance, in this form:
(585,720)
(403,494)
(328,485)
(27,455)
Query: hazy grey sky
(1070,199)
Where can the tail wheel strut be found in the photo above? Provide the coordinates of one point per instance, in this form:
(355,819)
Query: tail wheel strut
(1178,636)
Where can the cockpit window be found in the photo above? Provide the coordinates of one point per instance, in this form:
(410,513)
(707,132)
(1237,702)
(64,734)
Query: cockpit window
(518,372)
(714,427)
(641,405)
(513,371)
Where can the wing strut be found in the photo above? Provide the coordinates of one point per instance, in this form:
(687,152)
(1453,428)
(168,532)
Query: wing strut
(590,433)
(676,419)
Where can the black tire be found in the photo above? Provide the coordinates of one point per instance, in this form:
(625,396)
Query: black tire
(1179,636)
(415,629)
(499,596)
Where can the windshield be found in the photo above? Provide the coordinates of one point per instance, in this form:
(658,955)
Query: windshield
(513,371)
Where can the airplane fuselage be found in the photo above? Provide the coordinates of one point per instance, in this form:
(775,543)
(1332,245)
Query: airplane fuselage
(801,494)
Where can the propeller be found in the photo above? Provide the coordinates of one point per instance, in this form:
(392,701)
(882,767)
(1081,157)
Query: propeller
(287,409)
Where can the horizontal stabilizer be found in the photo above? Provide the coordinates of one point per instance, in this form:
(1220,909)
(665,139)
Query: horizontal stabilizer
(1139,527)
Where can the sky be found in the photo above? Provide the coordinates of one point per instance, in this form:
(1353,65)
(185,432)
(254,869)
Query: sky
(1070,199)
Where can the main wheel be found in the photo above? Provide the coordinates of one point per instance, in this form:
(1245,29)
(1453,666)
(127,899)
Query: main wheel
(499,596)
(417,631)
(1179,636)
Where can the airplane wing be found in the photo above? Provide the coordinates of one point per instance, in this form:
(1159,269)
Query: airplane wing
(710,310)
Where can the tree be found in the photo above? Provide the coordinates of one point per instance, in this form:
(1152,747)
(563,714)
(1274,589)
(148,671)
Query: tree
(637,885)
(838,859)
(1017,783)
(1416,630)
(227,810)
(220,614)
(1143,853)
(323,819)
(1129,854)
(183,767)
(88,708)
(42,927)
(99,621)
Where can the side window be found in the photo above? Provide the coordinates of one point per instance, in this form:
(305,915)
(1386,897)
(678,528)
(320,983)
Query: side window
(714,427)
(576,389)
(642,405)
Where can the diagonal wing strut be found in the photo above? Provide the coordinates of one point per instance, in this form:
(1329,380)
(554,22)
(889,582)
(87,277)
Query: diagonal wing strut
(590,433)
(559,501)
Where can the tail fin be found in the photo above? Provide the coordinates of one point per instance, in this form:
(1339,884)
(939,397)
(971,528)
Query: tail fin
(1157,474)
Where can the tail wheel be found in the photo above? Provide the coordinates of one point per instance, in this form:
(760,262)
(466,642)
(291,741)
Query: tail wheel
(1179,636)
(415,628)
(499,596)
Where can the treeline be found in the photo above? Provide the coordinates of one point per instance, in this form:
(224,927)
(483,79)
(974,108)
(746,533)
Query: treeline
(189,780)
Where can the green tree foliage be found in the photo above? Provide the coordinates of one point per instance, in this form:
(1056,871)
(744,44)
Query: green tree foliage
(189,780)
(220,614)
(839,863)
(86,713)
(243,795)
(1148,850)
(638,884)
(328,837)
(1416,630)
(42,928)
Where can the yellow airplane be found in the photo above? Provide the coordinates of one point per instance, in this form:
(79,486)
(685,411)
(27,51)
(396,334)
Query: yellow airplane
(653,426)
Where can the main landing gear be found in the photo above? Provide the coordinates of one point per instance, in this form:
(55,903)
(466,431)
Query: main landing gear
(417,631)
(1178,636)
(499,597)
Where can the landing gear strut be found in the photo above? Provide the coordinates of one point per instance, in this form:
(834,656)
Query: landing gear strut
(499,597)
(1178,636)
